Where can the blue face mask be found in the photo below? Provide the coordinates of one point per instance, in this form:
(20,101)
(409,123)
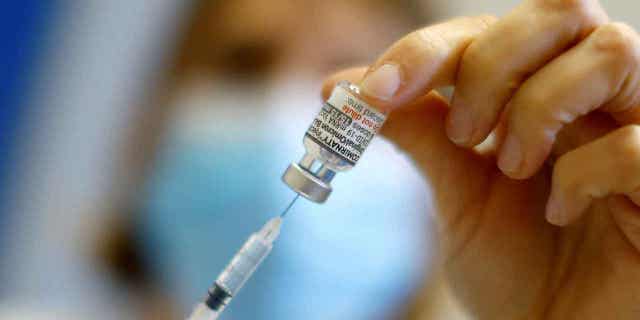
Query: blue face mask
(217,180)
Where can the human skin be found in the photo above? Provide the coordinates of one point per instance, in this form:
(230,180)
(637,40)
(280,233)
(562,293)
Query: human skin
(545,222)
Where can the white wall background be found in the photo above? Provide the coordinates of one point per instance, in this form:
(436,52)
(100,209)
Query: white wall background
(619,10)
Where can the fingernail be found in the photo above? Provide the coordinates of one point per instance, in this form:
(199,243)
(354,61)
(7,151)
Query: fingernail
(511,155)
(555,213)
(382,83)
(459,126)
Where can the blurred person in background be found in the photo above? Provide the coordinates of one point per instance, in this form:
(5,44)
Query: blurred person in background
(200,167)
(218,132)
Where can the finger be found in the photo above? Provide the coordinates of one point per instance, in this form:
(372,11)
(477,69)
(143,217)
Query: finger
(609,165)
(602,68)
(422,60)
(580,132)
(417,129)
(495,64)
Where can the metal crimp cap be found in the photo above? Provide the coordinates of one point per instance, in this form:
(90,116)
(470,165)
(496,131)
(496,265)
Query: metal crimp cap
(306,183)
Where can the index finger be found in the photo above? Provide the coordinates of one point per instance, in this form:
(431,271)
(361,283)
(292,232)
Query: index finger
(422,60)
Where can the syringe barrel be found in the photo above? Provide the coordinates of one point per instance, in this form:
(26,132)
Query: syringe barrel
(245,262)
(242,266)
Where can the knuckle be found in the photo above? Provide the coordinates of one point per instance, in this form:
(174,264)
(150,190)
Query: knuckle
(588,12)
(415,44)
(530,105)
(437,38)
(564,4)
(523,110)
(618,39)
(534,97)
(486,20)
(475,55)
(573,6)
(430,39)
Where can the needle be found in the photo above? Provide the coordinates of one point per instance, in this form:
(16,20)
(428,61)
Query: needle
(284,213)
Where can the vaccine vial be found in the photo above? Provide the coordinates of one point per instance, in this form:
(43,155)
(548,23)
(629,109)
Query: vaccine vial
(334,142)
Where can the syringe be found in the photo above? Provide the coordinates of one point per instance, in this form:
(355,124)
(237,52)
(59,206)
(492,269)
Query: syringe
(334,142)
(239,270)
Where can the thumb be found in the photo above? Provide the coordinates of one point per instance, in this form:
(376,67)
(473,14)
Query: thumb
(423,60)
(419,62)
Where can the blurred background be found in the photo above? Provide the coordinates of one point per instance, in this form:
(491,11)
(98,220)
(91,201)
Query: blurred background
(143,141)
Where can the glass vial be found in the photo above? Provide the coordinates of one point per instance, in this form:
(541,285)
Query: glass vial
(334,142)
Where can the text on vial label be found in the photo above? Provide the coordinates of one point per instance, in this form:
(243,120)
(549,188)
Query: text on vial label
(345,125)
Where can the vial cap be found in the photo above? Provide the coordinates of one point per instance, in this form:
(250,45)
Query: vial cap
(306,184)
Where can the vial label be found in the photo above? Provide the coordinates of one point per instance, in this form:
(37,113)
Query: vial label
(345,125)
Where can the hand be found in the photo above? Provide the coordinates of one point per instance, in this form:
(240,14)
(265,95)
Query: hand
(555,80)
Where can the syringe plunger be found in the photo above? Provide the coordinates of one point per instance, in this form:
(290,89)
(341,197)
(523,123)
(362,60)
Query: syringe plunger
(238,271)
